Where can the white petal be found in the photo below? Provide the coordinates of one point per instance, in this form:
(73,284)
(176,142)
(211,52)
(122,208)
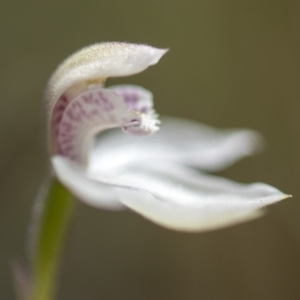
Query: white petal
(180,198)
(179,217)
(180,141)
(172,196)
(100,61)
(92,192)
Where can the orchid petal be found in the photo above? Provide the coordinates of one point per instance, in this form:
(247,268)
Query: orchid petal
(99,61)
(170,195)
(180,141)
(180,198)
(90,191)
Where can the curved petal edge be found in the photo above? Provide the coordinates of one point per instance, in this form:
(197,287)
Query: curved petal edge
(99,61)
(85,189)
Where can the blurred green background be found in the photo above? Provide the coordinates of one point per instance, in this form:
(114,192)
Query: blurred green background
(232,63)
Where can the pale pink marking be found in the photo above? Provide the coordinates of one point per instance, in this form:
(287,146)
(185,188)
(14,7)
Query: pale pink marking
(64,134)
(107,104)
(88,98)
(94,112)
(67,126)
(68,148)
(57,116)
(66,140)
(73,116)
(59,108)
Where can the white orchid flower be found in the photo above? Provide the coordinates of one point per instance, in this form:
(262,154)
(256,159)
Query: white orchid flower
(156,175)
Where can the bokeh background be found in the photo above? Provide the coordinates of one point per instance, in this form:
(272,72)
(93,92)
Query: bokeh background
(232,63)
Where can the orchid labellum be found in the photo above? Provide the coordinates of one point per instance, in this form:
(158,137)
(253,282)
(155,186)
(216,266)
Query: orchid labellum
(156,173)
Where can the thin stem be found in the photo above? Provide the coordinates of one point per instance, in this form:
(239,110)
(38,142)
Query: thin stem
(54,219)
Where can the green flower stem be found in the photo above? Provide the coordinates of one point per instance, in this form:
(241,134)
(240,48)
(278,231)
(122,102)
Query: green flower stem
(54,219)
